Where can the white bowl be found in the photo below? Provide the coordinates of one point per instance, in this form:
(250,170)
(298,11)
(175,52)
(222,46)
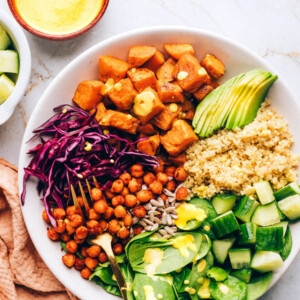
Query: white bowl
(237,59)
(21,45)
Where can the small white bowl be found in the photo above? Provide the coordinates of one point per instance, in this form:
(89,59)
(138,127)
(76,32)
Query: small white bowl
(20,43)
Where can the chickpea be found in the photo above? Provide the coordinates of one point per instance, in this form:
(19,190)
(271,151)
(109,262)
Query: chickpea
(164,197)
(96,194)
(45,217)
(162,177)
(69,228)
(109,213)
(85,273)
(130,200)
(79,263)
(93,215)
(137,170)
(75,220)
(117,200)
(80,201)
(59,213)
(109,194)
(69,260)
(149,178)
(125,191)
(103,224)
(71,210)
(127,220)
(61,226)
(123,233)
(139,211)
(81,232)
(113,226)
(118,248)
(180,174)
(170,171)
(156,187)
(134,186)
(93,251)
(137,229)
(65,237)
(120,212)
(181,193)
(52,234)
(71,246)
(125,177)
(160,167)
(171,185)
(102,257)
(144,196)
(117,186)
(94,227)
(100,206)
(91,262)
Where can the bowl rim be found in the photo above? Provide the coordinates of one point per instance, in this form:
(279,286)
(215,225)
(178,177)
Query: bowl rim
(55,37)
(20,42)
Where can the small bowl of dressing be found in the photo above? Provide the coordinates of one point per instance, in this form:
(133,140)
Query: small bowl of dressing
(58,20)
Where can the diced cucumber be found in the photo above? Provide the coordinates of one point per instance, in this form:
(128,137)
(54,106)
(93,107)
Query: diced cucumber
(288,244)
(243,274)
(290,207)
(265,215)
(283,224)
(270,238)
(289,190)
(225,224)
(6,87)
(5,40)
(220,248)
(223,202)
(264,192)
(9,61)
(266,261)
(245,208)
(239,257)
(247,234)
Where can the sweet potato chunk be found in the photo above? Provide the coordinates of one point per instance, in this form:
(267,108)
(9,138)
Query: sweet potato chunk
(165,71)
(169,92)
(112,118)
(155,61)
(178,138)
(122,94)
(147,129)
(147,105)
(149,145)
(142,78)
(202,92)
(189,73)
(88,94)
(112,67)
(138,55)
(176,50)
(177,160)
(213,65)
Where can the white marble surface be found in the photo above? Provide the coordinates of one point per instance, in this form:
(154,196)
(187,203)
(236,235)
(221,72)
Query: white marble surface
(270,28)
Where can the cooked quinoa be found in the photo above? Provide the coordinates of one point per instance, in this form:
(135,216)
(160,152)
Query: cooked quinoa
(232,160)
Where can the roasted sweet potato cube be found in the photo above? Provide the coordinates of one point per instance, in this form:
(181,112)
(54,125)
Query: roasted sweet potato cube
(164,119)
(147,105)
(155,61)
(189,73)
(112,67)
(177,160)
(202,92)
(142,78)
(122,94)
(213,65)
(88,94)
(149,145)
(169,92)
(147,129)
(120,120)
(178,138)
(176,50)
(165,71)
(138,55)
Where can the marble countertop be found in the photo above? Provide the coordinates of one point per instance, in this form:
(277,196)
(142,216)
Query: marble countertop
(269,28)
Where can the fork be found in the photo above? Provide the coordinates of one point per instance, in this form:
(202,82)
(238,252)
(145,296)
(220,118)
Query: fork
(103,240)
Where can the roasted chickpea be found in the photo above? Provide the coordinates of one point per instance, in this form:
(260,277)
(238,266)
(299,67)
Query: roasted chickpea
(85,273)
(164,197)
(113,226)
(58,213)
(71,246)
(139,211)
(123,233)
(93,215)
(162,177)
(83,251)
(144,196)
(65,237)
(170,171)
(180,174)
(81,232)
(120,212)
(91,262)
(103,224)
(171,185)
(96,194)
(149,177)
(181,193)
(117,186)
(137,229)
(69,228)
(71,210)
(160,167)
(45,217)
(100,206)
(102,257)
(134,186)
(79,263)
(69,259)
(137,170)
(117,200)
(109,194)
(117,248)
(52,234)
(108,213)
(125,177)
(130,200)
(60,226)
(75,220)
(156,187)
(93,251)
(125,191)
(127,220)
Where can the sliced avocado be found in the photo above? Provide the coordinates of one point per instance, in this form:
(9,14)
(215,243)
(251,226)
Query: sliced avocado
(234,103)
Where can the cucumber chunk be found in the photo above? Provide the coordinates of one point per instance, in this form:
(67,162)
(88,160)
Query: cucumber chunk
(264,192)
(245,208)
(290,207)
(247,234)
(6,87)
(9,61)
(289,190)
(225,224)
(266,215)
(266,261)
(243,274)
(223,202)
(239,257)
(5,40)
(270,238)
(220,248)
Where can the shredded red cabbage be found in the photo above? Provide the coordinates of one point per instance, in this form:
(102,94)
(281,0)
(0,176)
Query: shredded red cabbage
(72,147)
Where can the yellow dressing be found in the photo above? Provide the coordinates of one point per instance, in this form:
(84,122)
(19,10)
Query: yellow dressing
(153,258)
(57,16)
(187,212)
(184,244)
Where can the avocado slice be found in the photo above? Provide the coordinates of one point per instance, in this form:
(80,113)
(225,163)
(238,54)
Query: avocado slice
(234,103)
